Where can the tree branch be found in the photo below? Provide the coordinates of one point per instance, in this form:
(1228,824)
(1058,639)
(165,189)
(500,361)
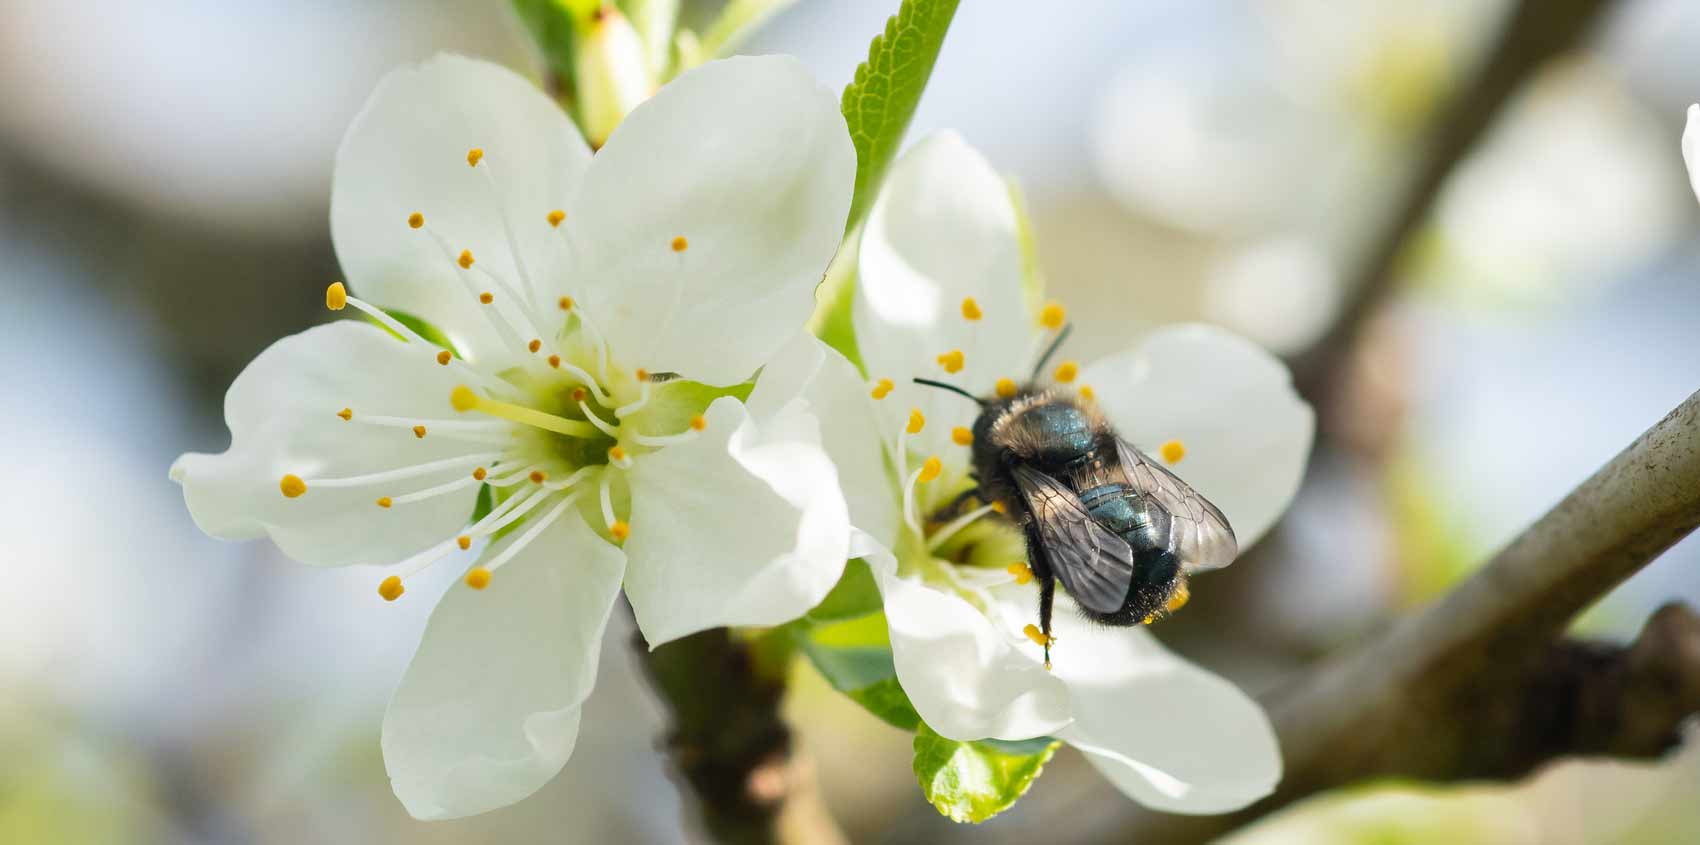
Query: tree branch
(1479,684)
(729,741)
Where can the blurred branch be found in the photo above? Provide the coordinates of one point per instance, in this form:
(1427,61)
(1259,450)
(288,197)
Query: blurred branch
(729,741)
(1534,32)
(1480,685)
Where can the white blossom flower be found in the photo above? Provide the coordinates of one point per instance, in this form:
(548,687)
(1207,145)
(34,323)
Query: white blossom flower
(1691,148)
(941,295)
(603,312)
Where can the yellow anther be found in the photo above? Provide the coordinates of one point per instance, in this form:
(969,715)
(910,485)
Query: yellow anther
(952,361)
(444,357)
(463,399)
(699,422)
(1087,393)
(616,453)
(1033,633)
(480,474)
(384,502)
(971,310)
(641,374)
(538,476)
(882,389)
(1006,388)
(931,469)
(1179,599)
(391,588)
(346,414)
(1052,315)
(415,220)
(916,421)
(464,541)
(1000,507)
(1066,372)
(962,436)
(680,244)
(555,361)
(419,432)
(465,259)
(1172,451)
(486,297)
(478,578)
(566,303)
(336,296)
(1022,572)
(620,530)
(555,218)
(579,394)
(292,486)
(534,345)
(1149,618)
(473,156)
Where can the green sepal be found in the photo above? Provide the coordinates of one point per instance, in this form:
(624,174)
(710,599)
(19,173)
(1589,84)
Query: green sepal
(737,19)
(834,298)
(974,781)
(486,503)
(418,326)
(554,25)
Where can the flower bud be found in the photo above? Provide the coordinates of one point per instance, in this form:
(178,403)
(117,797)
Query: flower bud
(613,74)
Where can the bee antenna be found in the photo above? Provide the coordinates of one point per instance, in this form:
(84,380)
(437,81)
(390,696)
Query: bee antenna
(952,388)
(1051,350)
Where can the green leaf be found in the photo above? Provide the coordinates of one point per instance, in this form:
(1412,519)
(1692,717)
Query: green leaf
(855,658)
(854,595)
(974,781)
(880,101)
(735,22)
(554,25)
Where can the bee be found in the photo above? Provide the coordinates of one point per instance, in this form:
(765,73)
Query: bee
(1119,531)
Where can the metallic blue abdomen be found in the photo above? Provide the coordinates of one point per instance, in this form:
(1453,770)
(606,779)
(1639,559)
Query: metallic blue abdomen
(1142,523)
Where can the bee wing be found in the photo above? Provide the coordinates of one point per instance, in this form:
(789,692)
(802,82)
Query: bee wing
(1093,564)
(1202,536)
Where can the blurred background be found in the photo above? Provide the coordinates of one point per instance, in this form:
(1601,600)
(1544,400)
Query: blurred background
(164,178)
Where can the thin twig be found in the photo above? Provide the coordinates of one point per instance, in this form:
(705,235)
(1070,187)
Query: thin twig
(1533,33)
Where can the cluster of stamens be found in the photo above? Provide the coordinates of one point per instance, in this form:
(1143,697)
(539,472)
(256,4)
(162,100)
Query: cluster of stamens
(533,461)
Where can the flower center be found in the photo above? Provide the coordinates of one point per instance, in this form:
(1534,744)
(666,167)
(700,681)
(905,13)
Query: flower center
(548,433)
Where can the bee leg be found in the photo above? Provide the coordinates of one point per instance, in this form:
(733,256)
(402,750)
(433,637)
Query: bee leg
(1047,592)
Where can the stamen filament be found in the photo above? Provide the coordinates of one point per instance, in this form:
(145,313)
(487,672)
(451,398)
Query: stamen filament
(434,425)
(508,230)
(949,530)
(403,473)
(634,407)
(531,533)
(910,517)
(387,321)
(431,492)
(465,399)
(597,421)
(492,315)
(532,500)
(577,476)
(585,379)
(607,499)
(685,436)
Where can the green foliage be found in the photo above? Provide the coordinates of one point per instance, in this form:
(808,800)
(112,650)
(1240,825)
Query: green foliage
(973,781)
(855,595)
(855,658)
(881,100)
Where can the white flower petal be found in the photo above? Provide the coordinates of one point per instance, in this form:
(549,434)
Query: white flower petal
(282,414)
(834,393)
(745,525)
(944,229)
(747,160)
(1168,734)
(489,708)
(1246,433)
(407,151)
(967,679)
(1691,148)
